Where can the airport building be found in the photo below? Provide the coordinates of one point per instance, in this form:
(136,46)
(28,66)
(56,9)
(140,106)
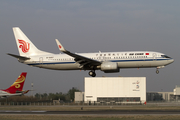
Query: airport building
(165,96)
(113,90)
(79,97)
(122,90)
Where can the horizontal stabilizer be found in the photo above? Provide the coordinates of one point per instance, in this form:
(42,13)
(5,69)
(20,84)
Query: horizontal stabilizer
(18,57)
(24,92)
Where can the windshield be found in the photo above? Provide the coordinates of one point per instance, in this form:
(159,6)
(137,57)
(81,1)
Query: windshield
(165,56)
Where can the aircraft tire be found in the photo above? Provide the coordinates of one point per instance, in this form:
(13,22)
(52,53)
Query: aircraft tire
(92,73)
(157,71)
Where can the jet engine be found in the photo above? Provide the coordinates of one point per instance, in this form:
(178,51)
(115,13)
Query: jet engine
(109,67)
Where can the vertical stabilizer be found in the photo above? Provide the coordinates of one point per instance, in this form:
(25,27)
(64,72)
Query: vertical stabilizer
(25,46)
(17,86)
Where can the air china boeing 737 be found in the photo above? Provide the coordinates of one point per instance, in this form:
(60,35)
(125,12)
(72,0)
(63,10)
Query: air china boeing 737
(16,88)
(108,62)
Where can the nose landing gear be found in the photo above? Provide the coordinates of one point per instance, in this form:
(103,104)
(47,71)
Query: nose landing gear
(157,71)
(92,73)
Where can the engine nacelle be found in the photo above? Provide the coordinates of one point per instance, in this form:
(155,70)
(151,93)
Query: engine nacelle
(109,67)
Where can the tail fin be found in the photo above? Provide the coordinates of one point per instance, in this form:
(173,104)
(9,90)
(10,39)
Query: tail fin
(17,86)
(25,46)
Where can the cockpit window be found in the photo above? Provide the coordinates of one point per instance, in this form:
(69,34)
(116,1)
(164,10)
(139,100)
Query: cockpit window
(165,56)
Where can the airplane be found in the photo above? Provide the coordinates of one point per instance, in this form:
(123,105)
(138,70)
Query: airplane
(108,62)
(16,88)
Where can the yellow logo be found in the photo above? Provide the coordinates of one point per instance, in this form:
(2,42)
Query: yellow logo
(18,82)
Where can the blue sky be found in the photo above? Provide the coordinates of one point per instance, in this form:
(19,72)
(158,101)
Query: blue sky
(90,26)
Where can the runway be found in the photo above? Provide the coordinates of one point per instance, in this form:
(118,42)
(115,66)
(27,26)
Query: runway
(103,112)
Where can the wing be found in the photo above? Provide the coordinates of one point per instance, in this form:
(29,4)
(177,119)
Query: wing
(82,60)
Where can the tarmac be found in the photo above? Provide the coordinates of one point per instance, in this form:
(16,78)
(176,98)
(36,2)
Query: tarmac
(102,112)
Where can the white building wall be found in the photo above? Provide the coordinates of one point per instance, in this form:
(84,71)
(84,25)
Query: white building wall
(177,91)
(79,96)
(115,87)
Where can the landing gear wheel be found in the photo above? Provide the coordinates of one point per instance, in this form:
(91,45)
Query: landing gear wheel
(92,73)
(157,71)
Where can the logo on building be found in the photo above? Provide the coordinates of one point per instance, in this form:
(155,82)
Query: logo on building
(137,82)
(136,86)
(25,46)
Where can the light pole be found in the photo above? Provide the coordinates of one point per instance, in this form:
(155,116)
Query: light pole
(32,89)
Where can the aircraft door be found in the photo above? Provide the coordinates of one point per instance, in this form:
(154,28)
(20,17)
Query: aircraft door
(154,56)
(41,60)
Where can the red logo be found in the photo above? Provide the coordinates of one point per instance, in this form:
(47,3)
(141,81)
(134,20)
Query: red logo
(59,46)
(24,46)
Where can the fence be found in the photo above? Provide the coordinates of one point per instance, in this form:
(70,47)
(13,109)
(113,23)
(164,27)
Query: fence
(90,103)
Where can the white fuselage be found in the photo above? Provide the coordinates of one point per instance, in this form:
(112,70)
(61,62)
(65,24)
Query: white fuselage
(130,59)
(4,94)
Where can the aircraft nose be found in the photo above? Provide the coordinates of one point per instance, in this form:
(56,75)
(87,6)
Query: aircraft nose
(172,60)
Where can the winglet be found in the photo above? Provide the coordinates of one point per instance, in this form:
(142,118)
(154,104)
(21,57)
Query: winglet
(61,48)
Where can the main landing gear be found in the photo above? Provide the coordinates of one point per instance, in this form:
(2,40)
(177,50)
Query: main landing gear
(92,73)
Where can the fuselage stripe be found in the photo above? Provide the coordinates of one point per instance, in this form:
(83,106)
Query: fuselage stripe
(47,63)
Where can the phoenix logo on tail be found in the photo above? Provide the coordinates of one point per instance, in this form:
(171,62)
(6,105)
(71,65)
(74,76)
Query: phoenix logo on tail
(19,81)
(15,88)
(25,46)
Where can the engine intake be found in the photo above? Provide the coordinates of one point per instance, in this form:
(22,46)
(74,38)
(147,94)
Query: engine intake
(109,67)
